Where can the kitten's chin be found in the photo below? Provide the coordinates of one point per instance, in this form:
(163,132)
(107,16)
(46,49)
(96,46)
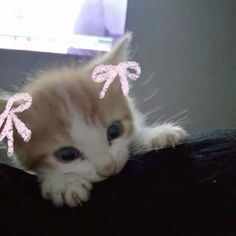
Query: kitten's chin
(119,169)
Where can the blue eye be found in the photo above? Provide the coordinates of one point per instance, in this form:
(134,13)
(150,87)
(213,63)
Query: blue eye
(68,154)
(114,131)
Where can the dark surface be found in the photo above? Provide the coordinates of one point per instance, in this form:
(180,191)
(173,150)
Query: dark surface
(189,190)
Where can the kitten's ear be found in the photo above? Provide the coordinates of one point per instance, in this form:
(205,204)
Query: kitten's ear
(119,53)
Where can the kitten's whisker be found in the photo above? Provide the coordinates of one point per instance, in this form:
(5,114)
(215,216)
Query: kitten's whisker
(179,121)
(172,121)
(135,51)
(178,114)
(137,149)
(183,120)
(148,80)
(159,120)
(153,111)
(151,96)
(145,150)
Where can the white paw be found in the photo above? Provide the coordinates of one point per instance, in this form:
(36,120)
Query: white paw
(167,135)
(67,189)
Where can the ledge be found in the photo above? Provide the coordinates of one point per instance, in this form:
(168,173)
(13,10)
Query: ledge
(189,190)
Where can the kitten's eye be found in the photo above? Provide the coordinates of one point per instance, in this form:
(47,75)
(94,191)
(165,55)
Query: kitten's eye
(114,131)
(68,154)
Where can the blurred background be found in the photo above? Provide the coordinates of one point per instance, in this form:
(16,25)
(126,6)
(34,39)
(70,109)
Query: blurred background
(187,51)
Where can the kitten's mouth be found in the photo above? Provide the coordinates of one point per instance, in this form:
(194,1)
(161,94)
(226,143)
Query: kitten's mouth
(109,170)
(106,176)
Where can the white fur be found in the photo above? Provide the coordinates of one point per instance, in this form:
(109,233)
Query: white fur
(71,183)
(74,180)
(68,178)
(68,189)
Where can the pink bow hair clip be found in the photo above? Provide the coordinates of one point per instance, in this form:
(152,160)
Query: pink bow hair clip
(10,117)
(108,73)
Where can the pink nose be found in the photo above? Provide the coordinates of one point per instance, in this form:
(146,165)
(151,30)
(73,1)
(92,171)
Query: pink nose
(108,170)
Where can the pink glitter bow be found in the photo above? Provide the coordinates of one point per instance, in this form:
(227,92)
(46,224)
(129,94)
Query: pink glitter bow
(109,72)
(9,115)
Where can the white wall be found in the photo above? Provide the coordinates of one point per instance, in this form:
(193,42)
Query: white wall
(191,48)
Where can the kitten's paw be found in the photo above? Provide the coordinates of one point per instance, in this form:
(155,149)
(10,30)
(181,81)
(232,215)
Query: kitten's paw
(67,189)
(167,135)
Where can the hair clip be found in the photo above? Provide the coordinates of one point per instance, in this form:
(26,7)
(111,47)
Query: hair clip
(108,73)
(10,117)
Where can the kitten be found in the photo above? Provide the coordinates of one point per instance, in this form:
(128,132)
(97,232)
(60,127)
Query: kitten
(77,138)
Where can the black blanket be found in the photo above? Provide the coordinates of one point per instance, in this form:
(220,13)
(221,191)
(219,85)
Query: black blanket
(189,190)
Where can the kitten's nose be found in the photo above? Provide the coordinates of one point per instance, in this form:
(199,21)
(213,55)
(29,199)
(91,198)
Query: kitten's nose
(108,170)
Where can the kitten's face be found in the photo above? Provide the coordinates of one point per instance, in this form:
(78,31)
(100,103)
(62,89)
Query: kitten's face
(73,130)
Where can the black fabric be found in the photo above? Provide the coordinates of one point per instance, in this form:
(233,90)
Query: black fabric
(189,190)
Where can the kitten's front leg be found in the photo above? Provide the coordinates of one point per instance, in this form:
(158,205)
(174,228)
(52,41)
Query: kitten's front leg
(159,137)
(65,189)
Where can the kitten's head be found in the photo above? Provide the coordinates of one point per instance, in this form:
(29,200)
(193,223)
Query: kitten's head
(73,130)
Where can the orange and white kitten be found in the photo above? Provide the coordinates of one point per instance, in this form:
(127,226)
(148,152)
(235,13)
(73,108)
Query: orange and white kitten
(77,138)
